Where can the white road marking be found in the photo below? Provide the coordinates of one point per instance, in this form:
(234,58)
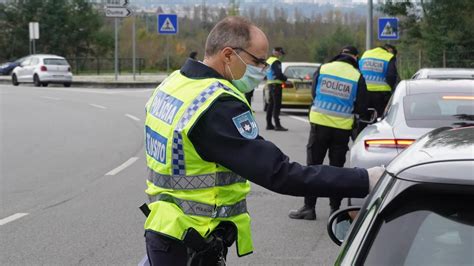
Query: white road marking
(50,98)
(123,166)
(12,218)
(132,117)
(299,118)
(97,106)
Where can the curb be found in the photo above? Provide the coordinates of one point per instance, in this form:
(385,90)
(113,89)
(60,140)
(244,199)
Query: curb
(105,85)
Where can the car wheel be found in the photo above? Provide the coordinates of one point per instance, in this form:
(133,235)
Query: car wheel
(67,85)
(44,84)
(15,80)
(36,81)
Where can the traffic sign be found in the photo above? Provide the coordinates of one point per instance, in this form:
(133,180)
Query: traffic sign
(117,12)
(167,23)
(115,3)
(388,29)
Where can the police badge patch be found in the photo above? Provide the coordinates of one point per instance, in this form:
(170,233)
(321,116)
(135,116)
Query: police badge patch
(246,125)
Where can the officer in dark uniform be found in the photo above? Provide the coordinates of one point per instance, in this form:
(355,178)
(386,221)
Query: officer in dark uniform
(379,68)
(339,92)
(275,79)
(225,136)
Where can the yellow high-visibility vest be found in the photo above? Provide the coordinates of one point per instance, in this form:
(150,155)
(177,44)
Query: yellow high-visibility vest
(184,190)
(374,67)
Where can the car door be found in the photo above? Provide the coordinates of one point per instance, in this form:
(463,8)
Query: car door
(30,69)
(21,71)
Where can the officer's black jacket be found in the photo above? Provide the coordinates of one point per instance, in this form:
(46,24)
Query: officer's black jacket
(361,102)
(276,68)
(216,139)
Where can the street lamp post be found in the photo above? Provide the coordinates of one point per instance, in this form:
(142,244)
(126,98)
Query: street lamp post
(369,32)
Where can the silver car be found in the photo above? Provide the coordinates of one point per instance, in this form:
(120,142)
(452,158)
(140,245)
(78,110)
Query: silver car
(444,73)
(416,107)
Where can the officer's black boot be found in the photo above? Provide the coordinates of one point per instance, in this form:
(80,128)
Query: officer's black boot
(305,212)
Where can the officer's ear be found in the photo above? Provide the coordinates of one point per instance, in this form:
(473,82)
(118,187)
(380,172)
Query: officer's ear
(226,53)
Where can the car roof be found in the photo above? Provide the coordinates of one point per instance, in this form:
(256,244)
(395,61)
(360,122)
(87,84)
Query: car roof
(440,145)
(287,64)
(48,56)
(441,86)
(446,73)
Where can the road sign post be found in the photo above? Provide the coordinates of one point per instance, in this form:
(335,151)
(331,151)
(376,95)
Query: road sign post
(117,9)
(167,25)
(388,29)
(34,35)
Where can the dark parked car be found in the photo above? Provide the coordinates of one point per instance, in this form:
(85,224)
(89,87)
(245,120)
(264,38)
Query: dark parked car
(422,210)
(7,68)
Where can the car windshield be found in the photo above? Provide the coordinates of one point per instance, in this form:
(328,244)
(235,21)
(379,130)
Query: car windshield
(300,72)
(431,110)
(55,62)
(436,230)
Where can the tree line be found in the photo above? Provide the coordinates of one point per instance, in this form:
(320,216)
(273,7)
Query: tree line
(431,31)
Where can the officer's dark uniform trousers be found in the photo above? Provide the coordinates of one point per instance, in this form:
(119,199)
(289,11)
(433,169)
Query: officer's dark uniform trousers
(321,140)
(274,104)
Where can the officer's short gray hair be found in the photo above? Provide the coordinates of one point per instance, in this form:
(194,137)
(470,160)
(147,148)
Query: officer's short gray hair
(229,32)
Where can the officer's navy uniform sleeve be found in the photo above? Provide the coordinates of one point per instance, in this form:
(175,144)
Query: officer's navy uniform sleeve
(315,82)
(217,139)
(392,73)
(276,67)
(361,103)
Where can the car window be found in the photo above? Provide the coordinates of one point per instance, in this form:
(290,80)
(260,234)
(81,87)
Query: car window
(431,230)
(430,110)
(300,72)
(26,62)
(34,61)
(55,61)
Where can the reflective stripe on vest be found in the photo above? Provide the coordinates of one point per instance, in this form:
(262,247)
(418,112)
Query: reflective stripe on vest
(336,90)
(190,207)
(271,77)
(374,67)
(194,182)
(179,167)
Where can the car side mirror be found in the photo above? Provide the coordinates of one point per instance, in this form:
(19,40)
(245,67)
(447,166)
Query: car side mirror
(340,222)
(373,116)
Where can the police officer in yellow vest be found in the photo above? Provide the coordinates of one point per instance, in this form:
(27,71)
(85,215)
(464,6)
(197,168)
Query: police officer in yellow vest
(203,148)
(275,79)
(339,92)
(378,66)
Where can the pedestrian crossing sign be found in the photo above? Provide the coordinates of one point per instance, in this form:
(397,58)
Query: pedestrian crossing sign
(167,24)
(388,29)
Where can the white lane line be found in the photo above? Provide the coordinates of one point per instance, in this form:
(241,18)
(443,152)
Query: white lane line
(12,218)
(132,117)
(123,166)
(97,106)
(50,98)
(299,118)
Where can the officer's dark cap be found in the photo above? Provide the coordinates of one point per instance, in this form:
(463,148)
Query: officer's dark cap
(349,49)
(279,49)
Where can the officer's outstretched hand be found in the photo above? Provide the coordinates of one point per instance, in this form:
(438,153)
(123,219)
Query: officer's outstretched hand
(374,175)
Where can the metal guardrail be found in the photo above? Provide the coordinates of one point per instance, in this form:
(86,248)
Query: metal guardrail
(100,66)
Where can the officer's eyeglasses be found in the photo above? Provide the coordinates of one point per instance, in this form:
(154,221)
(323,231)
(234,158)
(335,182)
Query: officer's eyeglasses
(260,62)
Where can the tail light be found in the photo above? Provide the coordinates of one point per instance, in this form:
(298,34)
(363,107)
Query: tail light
(388,143)
(44,68)
(287,85)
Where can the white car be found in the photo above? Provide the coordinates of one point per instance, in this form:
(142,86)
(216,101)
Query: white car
(416,107)
(42,69)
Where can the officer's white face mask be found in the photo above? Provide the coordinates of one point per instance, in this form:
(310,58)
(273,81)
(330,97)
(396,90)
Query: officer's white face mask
(252,77)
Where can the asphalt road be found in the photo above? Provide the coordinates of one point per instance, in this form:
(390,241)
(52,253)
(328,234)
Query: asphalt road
(73,174)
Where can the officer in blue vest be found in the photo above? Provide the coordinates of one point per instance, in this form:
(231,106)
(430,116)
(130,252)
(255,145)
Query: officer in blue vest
(218,151)
(339,93)
(275,79)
